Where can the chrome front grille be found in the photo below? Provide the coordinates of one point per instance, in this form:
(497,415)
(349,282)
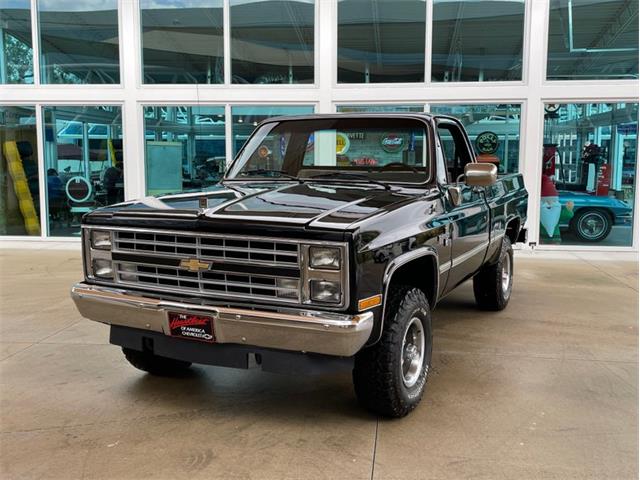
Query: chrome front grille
(246,267)
(210,247)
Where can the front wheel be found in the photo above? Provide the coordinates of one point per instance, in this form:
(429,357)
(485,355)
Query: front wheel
(492,284)
(592,225)
(390,376)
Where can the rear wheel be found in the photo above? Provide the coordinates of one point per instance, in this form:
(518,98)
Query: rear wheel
(390,376)
(156,365)
(591,225)
(492,284)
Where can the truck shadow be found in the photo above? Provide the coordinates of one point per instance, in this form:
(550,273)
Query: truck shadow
(215,392)
(458,307)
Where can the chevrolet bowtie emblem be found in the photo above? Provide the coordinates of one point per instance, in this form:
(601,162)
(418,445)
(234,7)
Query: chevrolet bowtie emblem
(194,265)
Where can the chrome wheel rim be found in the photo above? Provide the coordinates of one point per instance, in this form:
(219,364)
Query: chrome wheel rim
(413,347)
(592,225)
(506,275)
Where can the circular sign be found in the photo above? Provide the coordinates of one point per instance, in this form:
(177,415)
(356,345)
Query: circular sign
(392,142)
(551,107)
(342,143)
(78,189)
(487,142)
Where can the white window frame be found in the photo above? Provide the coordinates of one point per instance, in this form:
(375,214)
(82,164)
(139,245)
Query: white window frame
(131,95)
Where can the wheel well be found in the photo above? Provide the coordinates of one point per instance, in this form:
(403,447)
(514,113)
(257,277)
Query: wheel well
(513,229)
(419,273)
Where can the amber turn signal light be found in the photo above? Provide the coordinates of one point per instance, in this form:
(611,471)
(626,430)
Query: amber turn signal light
(369,302)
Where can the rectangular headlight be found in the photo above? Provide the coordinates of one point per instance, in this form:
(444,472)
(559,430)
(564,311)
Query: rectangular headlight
(325,258)
(325,291)
(100,240)
(102,268)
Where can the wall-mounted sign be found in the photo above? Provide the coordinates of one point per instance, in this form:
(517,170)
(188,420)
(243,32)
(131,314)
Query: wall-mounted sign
(552,107)
(627,128)
(355,135)
(487,142)
(342,143)
(392,142)
(365,162)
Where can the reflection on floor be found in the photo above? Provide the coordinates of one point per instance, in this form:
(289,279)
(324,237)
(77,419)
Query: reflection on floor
(545,389)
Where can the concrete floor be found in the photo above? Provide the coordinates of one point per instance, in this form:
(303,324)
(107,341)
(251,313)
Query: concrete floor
(546,389)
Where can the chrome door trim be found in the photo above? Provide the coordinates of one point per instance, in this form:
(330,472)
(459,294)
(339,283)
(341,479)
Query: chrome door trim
(460,259)
(445,267)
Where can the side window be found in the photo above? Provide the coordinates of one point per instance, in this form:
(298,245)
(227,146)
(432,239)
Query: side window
(455,148)
(269,155)
(370,147)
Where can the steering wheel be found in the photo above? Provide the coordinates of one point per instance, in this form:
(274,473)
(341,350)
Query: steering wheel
(392,165)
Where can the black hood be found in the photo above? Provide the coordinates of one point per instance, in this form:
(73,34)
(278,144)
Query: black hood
(273,204)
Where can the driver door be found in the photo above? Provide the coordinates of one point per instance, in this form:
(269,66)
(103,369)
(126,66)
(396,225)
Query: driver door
(470,219)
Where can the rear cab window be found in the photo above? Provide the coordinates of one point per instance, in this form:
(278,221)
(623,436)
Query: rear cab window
(395,150)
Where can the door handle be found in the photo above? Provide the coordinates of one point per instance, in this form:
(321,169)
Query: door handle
(446,238)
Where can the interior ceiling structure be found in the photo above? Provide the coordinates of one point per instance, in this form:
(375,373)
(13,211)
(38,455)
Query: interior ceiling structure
(586,27)
(479,38)
(594,37)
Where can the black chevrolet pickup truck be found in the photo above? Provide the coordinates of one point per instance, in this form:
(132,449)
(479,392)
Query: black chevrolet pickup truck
(327,245)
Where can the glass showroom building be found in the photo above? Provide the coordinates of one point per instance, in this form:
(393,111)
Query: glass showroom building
(106,100)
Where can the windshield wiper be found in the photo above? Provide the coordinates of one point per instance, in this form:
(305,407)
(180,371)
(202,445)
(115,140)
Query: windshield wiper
(355,176)
(262,171)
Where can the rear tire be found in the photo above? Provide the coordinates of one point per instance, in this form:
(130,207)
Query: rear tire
(155,364)
(493,283)
(390,376)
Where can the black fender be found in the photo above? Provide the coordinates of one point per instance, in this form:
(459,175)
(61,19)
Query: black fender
(391,269)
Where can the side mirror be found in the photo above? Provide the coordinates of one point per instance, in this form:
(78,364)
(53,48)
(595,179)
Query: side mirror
(455,196)
(480,174)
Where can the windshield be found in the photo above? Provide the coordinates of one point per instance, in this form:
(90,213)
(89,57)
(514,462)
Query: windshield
(350,149)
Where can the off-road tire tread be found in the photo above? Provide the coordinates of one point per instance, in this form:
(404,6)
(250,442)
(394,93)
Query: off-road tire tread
(373,373)
(155,364)
(487,283)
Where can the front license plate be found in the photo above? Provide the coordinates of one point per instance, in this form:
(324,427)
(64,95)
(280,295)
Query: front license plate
(192,327)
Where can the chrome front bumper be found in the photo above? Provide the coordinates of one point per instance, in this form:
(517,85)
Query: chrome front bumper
(286,329)
(626,219)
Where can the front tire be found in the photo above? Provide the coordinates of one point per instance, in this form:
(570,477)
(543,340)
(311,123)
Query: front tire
(390,376)
(493,283)
(155,364)
(591,225)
